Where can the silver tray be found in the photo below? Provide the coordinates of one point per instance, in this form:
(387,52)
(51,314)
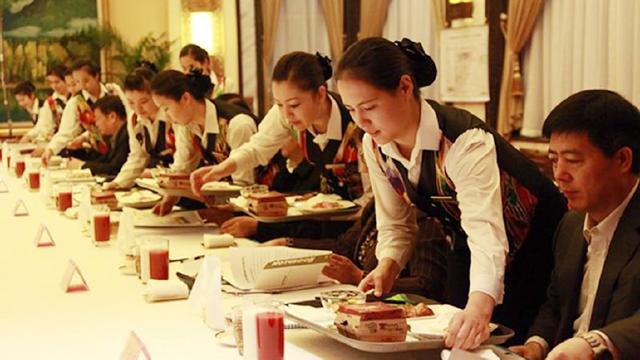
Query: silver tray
(499,336)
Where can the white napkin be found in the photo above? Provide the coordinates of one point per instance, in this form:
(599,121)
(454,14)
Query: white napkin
(161,290)
(206,295)
(478,354)
(126,239)
(218,240)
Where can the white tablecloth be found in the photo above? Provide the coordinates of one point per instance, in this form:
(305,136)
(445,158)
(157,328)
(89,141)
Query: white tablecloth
(38,320)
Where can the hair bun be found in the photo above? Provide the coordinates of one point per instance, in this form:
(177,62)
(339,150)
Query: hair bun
(147,65)
(199,82)
(422,65)
(325,64)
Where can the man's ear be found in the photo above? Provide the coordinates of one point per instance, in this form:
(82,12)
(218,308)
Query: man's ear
(624,159)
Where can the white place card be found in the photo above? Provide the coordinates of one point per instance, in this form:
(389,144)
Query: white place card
(20,209)
(133,348)
(70,282)
(42,231)
(3,186)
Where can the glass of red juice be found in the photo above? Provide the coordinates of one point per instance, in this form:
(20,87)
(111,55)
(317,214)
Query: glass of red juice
(270,331)
(20,167)
(64,197)
(100,224)
(34,180)
(156,256)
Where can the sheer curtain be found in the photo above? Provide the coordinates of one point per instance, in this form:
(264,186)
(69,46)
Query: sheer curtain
(301,28)
(414,19)
(577,45)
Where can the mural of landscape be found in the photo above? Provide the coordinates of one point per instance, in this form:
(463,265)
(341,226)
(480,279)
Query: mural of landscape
(38,34)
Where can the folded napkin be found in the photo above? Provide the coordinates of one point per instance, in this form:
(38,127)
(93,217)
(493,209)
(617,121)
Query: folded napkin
(478,354)
(162,290)
(206,295)
(216,241)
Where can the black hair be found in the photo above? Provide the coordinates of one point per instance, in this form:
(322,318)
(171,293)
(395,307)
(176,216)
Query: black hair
(196,52)
(25,88)
(235,99)
(111,104)
(58,71)
(306,71)
(87,65)
(68,72)
(173,84)
(382,63)
(609,121)
(140,79)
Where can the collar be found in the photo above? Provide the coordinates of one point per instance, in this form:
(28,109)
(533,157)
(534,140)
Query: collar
(211,125)
(609,224)
(103,92)
(427,137)
(160,116)
(56,96)
(35,107)
(334,126)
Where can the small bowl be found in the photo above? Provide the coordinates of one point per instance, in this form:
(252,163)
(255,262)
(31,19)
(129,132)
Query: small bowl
(333,299)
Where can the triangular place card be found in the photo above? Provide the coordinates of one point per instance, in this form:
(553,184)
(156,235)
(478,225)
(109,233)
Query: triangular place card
(133,348)
(3,186)
(43,231)
(20,209)
(70,281)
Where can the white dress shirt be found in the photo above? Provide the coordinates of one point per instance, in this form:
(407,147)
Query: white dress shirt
(187,157)
(472,166)
(138,158)
(46,124)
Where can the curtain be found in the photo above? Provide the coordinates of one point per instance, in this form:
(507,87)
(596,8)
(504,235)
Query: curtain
(248,41)
(334,14)
(270,12)
(578,45)
(406,18)
(521,19)
(373,15)
(439,19)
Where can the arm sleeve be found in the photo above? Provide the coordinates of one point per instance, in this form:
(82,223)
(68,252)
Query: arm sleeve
(241,128)
(136,161)
(69,127)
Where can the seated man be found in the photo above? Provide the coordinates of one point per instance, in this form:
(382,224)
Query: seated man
(593,301)
(110,117)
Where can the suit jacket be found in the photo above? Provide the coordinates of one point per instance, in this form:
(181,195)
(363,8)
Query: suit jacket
(616,310)
(111,162)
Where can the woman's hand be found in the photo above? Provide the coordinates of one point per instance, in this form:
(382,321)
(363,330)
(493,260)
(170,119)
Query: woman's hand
(343,269)
(165,205)
(530,351)
(470,327)
(240,226)
(109,186)
(46,156)
(381,279)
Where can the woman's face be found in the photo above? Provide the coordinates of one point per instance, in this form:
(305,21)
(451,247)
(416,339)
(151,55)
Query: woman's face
(86,81)
(299,107)
(142,103)
(58,85)
(188,63)
(376,110)
(72,85)
(25,101)
(178,112)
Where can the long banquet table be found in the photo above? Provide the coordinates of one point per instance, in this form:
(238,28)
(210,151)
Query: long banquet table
(38,320)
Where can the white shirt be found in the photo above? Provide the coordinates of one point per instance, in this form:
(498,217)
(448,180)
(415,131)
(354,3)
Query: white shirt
(46,124)
(274,132)
(598,238)
(138,158)
(187,157)
(70,123)
(472,166)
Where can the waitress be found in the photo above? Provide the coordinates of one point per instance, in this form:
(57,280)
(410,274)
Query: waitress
(498,210)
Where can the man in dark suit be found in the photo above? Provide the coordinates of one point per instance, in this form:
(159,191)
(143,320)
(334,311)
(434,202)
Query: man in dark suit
(593,302)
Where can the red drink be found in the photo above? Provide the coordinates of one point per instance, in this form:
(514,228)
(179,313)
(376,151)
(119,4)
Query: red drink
(101,227)
(20,166)
(64,201)
(34,180)
(270,333)
(159,264)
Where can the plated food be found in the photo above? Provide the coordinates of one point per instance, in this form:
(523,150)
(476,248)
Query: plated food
(174,181)
(138,198)
(333,299)
(376,322)
(417,310)
(220,186)
(270,204)
(104,197)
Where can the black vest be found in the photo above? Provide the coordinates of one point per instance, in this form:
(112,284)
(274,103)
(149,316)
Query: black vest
(224,110)
(346,180)
(512,164)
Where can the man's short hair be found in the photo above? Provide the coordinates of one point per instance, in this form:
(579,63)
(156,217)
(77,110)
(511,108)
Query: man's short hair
(609,121)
